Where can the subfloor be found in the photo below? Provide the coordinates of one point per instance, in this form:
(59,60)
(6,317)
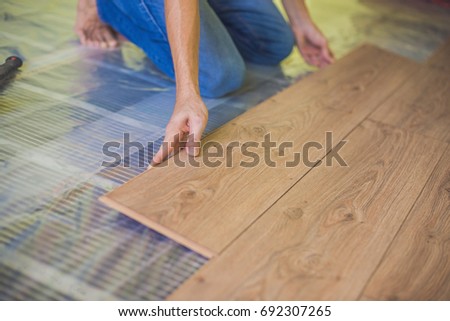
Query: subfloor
(57,240)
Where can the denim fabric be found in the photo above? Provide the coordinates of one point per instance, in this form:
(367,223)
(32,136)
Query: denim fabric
(231,32)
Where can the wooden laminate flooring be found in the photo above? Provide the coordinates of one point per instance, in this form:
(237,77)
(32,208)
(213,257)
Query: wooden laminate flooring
(377,227)
(206,208)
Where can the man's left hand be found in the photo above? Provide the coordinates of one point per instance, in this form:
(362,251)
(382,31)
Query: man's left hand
(313,45)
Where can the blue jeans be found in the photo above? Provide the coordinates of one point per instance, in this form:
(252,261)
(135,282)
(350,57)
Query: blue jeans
(231,32)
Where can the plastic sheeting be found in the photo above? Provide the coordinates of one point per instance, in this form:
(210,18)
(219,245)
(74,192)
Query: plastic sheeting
(56,240)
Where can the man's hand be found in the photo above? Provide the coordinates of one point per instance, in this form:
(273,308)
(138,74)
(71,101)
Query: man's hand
(91,30)
(310,41)
(313,45)
(185,129)
(189,118)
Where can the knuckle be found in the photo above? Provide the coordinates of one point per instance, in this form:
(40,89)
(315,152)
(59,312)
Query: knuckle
(170,128)
(200,117)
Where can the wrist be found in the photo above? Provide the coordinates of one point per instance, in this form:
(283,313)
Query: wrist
(302,20)
(188,101)
(188,92)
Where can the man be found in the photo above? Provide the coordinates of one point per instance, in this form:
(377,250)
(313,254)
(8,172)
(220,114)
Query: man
(203,46)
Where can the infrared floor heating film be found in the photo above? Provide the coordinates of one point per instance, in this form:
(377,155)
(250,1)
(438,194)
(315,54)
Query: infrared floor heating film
(68,100)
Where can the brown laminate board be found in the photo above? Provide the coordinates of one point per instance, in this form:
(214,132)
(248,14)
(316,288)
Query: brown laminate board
(325,237)
(417,265)
(206,208)
(421,105)
(440,59)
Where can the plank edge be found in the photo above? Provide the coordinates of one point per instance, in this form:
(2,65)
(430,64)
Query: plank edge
(198,248)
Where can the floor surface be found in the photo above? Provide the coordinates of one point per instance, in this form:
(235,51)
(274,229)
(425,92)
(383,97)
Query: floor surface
(57,241)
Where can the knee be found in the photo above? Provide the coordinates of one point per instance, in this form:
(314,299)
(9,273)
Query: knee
(227,76)
(283,47)
(273,51)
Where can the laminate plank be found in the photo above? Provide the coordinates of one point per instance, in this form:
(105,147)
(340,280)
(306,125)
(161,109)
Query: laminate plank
(441,58)
(417,265)
(206,208)
(421,105)
(324,238)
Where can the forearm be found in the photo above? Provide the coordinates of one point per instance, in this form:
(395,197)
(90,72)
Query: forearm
(297,12)
(183,29)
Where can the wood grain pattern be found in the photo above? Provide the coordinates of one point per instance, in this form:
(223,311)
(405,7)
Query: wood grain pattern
(441,58)
(417,266)
(324,238)
(207,208)
(421,105)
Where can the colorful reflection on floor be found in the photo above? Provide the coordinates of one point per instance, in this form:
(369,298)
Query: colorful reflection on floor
(56,240)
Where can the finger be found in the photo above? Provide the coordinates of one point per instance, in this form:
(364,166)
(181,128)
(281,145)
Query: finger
(310,55)
(323,63)
(98,38)
(159,157)
(110,39)
(313,60)
(195,136)
(103,43)
(331,54)
(308,59)
(106,38)
(310,50)
(90,43)
(162,153)
(170,143)
(326,54)
(306,56)
(94,44)
(152,163)
(82,38)
(91,39)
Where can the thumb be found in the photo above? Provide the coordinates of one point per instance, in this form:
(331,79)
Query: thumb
(327,54)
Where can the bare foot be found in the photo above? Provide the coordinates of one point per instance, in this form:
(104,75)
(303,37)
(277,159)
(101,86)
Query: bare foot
(91,30)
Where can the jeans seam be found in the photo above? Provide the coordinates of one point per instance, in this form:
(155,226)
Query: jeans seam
(249,28)
(152,18)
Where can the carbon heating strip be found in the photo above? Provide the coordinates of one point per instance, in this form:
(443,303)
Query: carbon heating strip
(57,242)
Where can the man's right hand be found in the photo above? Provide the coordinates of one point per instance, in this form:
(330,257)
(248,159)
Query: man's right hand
(91,30)
(185,129)
(190,115)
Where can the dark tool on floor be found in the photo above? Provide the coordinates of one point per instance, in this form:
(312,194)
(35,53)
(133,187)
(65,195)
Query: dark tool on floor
(10,66)
(9,69)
